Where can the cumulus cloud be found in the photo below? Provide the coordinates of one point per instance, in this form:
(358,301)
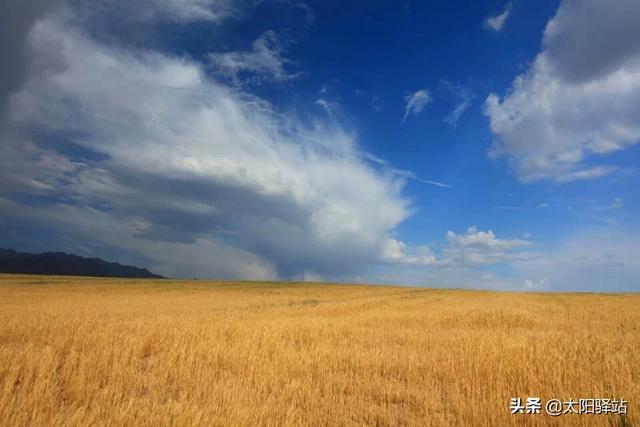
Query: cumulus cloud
(395,252)
(416,102)
(601,260)
(137,149)
(579,100)
(483,247)
(486,240)
(265,61)
(496,23)
(573,51)
(471,249)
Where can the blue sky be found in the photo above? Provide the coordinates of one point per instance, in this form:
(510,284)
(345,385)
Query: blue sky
(485,144)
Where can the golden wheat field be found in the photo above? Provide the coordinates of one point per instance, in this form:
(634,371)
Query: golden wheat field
(80,351)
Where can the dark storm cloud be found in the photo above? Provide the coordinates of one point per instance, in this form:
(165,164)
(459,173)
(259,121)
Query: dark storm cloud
(16,19)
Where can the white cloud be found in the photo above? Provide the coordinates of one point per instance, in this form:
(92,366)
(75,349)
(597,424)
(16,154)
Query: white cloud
(475,238)
(395,251)
(589,173)
(483,247)
(328,107)
(180,156)
(151,12)
(403,173)
(541,284)
(603,260)
(265,61)
(411,175)
(191,10)
(474,248)
(496,23)
(416,102)
(577,101)
(464,97)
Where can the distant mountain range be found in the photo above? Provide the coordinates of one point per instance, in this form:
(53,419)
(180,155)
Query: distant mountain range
(60,263)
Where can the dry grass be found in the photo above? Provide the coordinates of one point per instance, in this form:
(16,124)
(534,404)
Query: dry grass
(112,352)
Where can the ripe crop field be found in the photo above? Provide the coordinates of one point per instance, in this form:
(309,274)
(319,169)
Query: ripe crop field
(80,351)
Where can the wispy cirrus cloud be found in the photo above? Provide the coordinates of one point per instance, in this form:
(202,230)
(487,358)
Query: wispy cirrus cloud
(328,106)
(265,61)
(403,173)
(463,96)
(188,10)
(416,102)
(497,22)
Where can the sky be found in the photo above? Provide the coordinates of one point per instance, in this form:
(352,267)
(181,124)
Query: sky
(461,144)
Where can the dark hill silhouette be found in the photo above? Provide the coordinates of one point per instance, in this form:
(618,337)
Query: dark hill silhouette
(60,263)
